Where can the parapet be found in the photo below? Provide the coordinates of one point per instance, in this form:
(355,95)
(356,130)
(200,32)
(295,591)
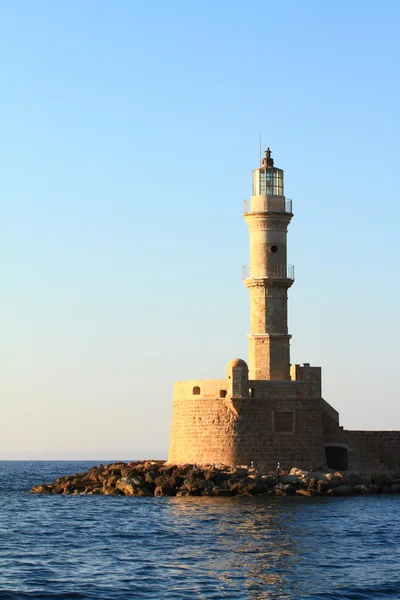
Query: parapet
(306,373)
(200,389)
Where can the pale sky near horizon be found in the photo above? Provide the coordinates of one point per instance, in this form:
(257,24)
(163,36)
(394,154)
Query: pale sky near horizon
(128,132)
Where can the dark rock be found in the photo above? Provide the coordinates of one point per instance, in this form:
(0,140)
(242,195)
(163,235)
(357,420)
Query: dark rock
(95,473)
(96,469)
(253,478)
(300,473)
(168,480)
(362,489)
(195,492)
(236,487)
(218,491)
(69,487)
(210,474)
(308,492)
(132,486)
(291,479)
(145,478)
(42,489)
(217,477)
(111,481)
(367,489)
(138,480)
(198,485)
(62,480)
(252,489)
(381,479)
(182,470)
(167,470)
(95,490)
(151,465)
(286,488)
(356,478)
(243,488)
(165,490)
(194,473)
(393,488)
(328,481)
(115,468)
(269,480)
(221,480)
(72,487)
(151,476)
(238,473)
(128,472)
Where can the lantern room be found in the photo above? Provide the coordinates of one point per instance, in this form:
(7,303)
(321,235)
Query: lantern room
(268,180)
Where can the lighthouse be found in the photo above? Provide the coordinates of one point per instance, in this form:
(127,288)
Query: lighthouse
(268,276)
(266,411)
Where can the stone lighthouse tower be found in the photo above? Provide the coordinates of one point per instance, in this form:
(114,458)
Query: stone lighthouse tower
(269,411)
(268,277)
(265,411)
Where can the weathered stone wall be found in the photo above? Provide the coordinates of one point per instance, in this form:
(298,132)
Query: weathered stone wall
(266,422)
(380,449)
(258,439)
(333,432)
(202,431)
(284,389)
(279,422)
(365,449)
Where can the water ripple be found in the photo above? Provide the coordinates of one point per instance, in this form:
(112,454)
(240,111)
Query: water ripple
(109,547)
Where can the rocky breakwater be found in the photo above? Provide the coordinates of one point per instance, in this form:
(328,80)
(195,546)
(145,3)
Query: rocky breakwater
(156,478)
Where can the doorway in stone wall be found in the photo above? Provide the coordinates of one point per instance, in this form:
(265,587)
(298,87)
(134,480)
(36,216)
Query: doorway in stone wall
(336,457)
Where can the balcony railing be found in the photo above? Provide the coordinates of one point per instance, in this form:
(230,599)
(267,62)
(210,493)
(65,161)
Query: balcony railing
(268,204)
(268,271)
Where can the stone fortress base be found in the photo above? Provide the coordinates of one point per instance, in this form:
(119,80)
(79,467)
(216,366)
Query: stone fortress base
(237,421)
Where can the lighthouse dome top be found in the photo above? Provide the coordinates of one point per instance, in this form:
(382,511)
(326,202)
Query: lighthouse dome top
(268,161)
(237,363)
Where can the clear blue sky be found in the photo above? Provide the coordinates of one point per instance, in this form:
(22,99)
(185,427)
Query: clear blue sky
(128,132)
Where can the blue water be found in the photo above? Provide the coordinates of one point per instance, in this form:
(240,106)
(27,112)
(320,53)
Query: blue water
(111,547)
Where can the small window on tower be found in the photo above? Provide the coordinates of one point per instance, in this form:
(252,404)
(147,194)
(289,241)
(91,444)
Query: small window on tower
(273,248)
(196,390)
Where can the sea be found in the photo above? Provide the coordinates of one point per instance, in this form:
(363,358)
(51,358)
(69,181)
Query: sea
(112,547)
